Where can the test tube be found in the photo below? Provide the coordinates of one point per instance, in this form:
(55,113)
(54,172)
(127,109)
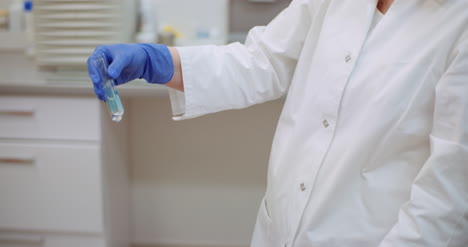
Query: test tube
(110,92)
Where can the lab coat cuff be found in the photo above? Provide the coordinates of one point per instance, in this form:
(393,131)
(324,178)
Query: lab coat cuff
(184,105)
(177,103)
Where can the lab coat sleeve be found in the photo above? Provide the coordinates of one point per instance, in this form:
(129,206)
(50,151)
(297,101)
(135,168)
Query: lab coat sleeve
(234,76)
(436,214)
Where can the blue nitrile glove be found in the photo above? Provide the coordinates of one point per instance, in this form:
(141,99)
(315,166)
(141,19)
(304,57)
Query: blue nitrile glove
(152,62)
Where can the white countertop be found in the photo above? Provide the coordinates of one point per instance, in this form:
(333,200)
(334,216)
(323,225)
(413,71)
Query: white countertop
(132,89)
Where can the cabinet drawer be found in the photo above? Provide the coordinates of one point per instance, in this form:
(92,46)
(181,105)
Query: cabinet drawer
(56,118)
(37,239)
(50,187)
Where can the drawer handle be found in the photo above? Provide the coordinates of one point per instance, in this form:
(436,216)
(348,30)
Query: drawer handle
(19,113)
(23,240)
(17,161)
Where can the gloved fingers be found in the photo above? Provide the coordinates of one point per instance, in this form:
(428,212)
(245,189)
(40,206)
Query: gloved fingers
(118,64)
(99,93)
(121,80)
(95,75)
(103,49)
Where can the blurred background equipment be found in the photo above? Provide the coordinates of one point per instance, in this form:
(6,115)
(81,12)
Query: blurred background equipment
(16,16)
(3,19)
(198,22)
(66,32)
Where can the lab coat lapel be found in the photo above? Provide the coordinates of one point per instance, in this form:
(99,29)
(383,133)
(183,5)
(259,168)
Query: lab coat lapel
(345,30)
(355,23)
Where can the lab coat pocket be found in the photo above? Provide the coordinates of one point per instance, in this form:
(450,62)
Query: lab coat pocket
(266,211)
(264,218)
(262,227)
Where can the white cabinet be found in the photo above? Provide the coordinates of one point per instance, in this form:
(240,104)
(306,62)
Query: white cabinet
(40,239)
(63,179)
(50,118)
(50,187)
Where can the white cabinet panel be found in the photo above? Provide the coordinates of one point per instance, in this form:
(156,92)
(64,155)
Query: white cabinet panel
(51,187)
(55,118)
(75,241)
(17,239)
(34,239)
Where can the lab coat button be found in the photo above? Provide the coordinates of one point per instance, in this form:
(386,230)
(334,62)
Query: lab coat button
(303,188)
(325,123)
(348,58)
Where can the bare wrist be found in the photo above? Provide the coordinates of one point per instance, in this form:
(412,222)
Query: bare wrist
(177,81)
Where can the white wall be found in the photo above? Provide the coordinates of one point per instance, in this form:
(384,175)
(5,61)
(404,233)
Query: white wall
(198,181)
(243,15)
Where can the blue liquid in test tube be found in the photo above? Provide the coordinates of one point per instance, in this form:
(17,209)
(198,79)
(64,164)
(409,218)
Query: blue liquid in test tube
(110,92)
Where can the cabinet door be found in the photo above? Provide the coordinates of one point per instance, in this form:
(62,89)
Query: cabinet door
(52,118)
(19,239)
(50,187)
(38,239)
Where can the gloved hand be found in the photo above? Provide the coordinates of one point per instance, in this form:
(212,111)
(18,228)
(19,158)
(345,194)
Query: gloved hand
(152,62)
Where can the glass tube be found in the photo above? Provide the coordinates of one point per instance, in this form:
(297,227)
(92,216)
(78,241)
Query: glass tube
(114,104)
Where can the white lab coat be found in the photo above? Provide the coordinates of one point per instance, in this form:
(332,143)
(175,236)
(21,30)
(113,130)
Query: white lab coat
(371,149)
